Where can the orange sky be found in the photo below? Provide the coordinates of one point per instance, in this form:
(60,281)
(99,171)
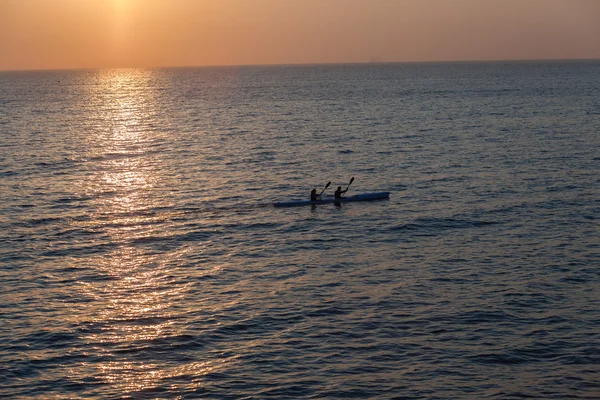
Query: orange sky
(48,34)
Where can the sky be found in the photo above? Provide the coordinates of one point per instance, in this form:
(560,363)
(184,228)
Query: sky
(65,34)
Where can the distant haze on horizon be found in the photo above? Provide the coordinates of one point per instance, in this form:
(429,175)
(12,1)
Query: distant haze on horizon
(66,34)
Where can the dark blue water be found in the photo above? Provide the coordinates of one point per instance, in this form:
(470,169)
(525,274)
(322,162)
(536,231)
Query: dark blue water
(141,256)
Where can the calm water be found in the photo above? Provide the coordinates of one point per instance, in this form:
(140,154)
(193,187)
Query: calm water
(141,257)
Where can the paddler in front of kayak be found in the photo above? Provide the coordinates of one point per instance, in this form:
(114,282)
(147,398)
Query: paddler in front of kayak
(339,192)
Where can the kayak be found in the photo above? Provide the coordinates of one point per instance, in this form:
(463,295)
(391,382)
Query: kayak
(327,200)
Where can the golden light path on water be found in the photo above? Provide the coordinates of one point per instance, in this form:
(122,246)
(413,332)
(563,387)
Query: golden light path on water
(137,297)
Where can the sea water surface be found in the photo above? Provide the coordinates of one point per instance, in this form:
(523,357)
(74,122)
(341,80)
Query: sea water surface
(141,256)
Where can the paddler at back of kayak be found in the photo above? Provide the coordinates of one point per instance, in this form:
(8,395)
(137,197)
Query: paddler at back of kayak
(313,195)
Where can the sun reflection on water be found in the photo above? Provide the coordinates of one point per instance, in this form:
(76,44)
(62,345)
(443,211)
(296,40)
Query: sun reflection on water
(136,296)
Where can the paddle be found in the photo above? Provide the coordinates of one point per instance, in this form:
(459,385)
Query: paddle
(351,180)
(326,186)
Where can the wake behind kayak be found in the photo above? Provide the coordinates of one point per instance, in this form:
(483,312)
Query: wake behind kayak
(327,200)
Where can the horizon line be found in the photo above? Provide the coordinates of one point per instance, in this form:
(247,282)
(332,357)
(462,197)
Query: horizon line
(307,64)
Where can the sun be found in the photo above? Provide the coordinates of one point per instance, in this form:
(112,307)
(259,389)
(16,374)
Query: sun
(121,19)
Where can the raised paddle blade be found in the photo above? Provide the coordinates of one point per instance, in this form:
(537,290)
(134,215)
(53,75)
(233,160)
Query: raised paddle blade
(326,186)
(351,180)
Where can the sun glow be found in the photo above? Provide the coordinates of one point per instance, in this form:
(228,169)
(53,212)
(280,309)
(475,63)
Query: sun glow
(121,29)
(38,34)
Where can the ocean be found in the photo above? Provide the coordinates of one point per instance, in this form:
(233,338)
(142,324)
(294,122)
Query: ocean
(141,256)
